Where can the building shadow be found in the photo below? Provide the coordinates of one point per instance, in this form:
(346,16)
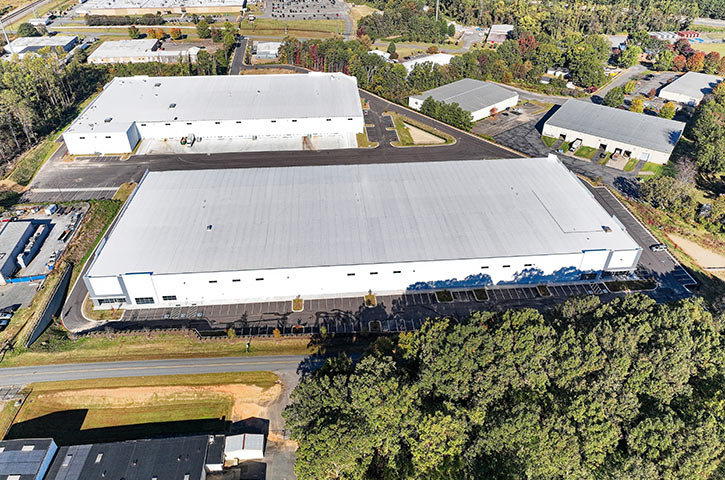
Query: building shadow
(540,124)
(66,428)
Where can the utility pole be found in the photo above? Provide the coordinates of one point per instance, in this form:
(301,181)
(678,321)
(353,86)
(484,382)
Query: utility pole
(7,41)
(437,1)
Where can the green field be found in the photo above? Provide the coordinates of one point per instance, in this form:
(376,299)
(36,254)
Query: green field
(710,47)
(585,152)
(296,28)
(548,141)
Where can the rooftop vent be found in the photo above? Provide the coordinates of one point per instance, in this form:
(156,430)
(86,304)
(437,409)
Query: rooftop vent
(208,227)
(108,120)
(606,228)
(172,105)
(157,84)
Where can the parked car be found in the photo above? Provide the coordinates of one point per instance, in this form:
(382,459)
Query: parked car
(658,247)
(575,145)
(4,324)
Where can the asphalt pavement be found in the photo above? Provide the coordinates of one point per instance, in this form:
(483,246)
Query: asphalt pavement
(145,368)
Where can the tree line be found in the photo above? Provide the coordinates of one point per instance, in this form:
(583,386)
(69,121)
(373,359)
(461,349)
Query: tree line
(624,390)
(147,19)
(407,22)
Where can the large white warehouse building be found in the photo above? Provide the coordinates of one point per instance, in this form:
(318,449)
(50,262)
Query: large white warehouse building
(635,135)
(227,236)
(250,107)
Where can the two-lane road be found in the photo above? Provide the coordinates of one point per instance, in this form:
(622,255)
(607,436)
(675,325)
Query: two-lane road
(144,368)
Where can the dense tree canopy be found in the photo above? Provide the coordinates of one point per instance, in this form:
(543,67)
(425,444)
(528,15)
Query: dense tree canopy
(708,132)
(406,21)
(628,389)
(450,113)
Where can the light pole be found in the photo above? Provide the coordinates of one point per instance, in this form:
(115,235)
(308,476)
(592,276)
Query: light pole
(437,1)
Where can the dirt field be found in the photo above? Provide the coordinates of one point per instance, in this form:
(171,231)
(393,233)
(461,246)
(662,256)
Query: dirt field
(75,413)
(704,257)
(421,137)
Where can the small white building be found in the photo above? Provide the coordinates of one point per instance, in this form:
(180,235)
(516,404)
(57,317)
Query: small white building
(22,46)
(207,237)
(690,88)
(247,446)
(380,53)
(475,96)
(635,135)
(499,33)
(245,107)
(437,58)
(266,50)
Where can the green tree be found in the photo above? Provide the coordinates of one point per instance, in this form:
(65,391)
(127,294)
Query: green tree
(629,87)
(668,110)
(622,390)
(27,30)
(134,32)
(668,194)
(451,30)
(665,60)
(637,105)
(175,33)
(391,48)
(629,57)
(614,97)
(708,132)
(202,29)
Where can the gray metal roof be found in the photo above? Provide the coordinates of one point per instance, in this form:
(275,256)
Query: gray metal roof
(693,84)
(220,97)
(22,44)
(266,218)
(15,461)
(11,233)
(471,95)
(646,131)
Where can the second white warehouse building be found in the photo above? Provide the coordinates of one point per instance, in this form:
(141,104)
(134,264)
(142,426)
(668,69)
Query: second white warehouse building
(248,107)
(228,236)
(479,98)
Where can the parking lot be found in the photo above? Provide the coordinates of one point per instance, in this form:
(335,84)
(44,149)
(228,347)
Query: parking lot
(18,295)
(306,9)
(393,313)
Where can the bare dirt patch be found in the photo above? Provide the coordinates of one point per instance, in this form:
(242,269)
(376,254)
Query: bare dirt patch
(704,257)
(421,137)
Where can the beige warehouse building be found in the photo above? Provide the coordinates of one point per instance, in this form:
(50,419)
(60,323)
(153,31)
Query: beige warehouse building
(636,135)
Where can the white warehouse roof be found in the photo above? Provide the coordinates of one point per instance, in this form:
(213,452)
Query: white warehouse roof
(33,44)
(242,97)
(646,131)
(471,95)
(436,58)
(124,48)
(694,85)
(268,218)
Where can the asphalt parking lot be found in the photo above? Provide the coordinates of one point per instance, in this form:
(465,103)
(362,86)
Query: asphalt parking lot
(306,9)
(393,313)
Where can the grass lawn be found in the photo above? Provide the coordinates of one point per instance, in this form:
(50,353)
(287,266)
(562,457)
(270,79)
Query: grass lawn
(100,315)
(295,28)
(115,409)
(605,160)
(548,141)
(585,152)
(31,161)
(7,414)
(564,147)
(155,345)
(364,142)
(404,135)
(658,170)
(630,165)
(710,47)
(359,11)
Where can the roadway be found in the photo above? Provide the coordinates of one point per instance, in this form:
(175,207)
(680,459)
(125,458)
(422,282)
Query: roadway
(144,368)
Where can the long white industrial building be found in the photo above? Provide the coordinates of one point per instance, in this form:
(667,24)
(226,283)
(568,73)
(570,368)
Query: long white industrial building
(227,236)
(250,107)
